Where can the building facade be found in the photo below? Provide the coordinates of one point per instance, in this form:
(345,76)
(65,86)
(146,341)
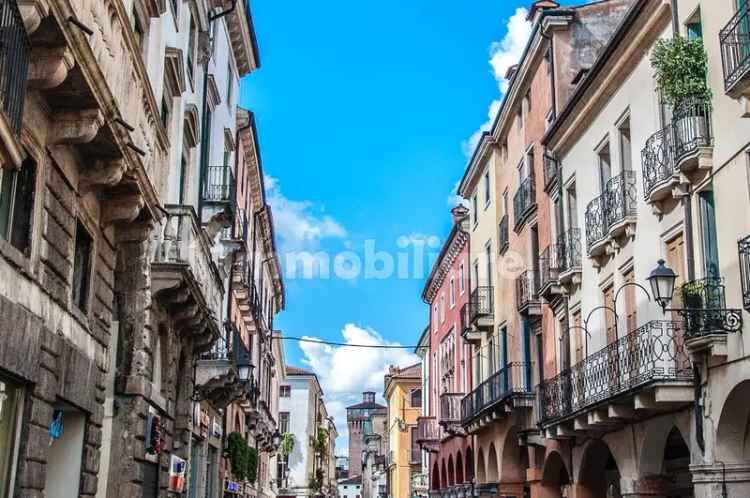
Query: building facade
(365,420)
(350,487)
(403,396)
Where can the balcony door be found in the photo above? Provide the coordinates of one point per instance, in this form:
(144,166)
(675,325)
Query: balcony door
(610,324)
(605,167)
(676,261)
(708,236)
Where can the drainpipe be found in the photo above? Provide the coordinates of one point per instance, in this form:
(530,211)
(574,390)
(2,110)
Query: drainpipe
(204,109)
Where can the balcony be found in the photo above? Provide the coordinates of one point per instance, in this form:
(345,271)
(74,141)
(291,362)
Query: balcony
(734,39)
(674,154)
(646,371)
(216,377)
(450,413)
(527,294)
(549,272)
(612,214)
(569,257)
(524,202)
(184,277)
(508,388)
(477,313)
(429,434)
(706,317)
(503,234)
(15,57)
(552,173)
(744,252)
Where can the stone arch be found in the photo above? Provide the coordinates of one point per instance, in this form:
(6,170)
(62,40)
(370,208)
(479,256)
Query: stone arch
(459,468)
(654,441)
(733,430)
(493,470)
(451,471)
(443,476)
(555,476)
(599,476)
(514,460)
(480,467)
(435,476)
(469,472)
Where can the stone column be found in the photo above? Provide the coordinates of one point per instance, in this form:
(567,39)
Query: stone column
(646,487)
(539,490)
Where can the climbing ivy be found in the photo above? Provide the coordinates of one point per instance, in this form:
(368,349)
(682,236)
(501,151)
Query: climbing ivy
(242,457)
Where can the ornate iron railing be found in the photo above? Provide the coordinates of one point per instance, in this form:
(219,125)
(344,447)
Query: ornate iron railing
(704,308)
(549,266)
(219,184)
(504,234)
(735,47)
(450,408)
(527,289)
(596,222)
(512,379)
(552,172)
(691,121)
(652,353)
(15,54)
(621,198)
(744,251)
(221,350)
(524,200)
(569,247)
(657,159)
(481,303)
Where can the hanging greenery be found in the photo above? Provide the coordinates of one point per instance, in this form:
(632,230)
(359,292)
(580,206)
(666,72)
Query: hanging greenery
(242,457)
(321,441)
(287,444)
(316,483)
(681,67)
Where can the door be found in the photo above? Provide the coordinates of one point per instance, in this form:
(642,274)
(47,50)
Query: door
(605,168)
(676,261)
(708,237)
(150,480)
(534,262)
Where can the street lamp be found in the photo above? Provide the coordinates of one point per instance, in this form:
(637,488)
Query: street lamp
(662,280)
(276,439)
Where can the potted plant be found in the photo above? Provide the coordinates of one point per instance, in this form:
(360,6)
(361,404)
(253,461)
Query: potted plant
(287,444)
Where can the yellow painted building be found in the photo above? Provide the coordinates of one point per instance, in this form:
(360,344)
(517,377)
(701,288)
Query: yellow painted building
(403,394)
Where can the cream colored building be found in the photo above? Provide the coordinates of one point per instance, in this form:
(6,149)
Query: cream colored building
(403,396)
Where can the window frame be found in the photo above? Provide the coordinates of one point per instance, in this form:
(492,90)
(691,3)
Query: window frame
(83,302)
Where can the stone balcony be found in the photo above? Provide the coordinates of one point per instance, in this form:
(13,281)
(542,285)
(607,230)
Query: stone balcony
(429,434)
(450,414)
(477,315)
(638,376)
(184,277)
(505,390)
(679,154)
(216,375)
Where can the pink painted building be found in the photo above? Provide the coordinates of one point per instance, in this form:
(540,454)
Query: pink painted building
(448,361)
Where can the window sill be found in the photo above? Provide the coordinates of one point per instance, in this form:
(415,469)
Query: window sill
(16,258)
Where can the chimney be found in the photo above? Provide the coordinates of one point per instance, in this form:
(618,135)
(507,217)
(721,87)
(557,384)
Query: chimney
(460,216)
(511,72)
(538,6)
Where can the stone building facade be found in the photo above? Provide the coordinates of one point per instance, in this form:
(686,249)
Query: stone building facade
(403,395)
(365,419)
(120,144)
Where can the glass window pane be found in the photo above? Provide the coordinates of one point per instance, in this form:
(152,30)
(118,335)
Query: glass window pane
(10,405)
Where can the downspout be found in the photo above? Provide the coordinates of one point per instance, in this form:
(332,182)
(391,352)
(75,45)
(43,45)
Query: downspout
(204,109)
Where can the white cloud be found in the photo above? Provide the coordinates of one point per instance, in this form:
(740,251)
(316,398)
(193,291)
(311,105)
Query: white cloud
(301,225)
(345,372)
(454,199)
(503,54)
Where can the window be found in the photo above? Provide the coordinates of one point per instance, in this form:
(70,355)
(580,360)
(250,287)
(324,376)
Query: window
(10,412)
(462,278)
(519,118)
(82,267)
(626,153)
(435,317)
(505,202)
(173,4)
(605,167)
(694,26)
(572,200)
(442,308)
(578,339)
(230,83)
(415,398)
(16,205)
(631,317)
(166,108)
(140,34)
(488,255)
(284,422)
(529,162)
(476,273)
(708,234)
(192,35)
(475,209)
(285,391)
(527,101)
(452,292)
(486,189)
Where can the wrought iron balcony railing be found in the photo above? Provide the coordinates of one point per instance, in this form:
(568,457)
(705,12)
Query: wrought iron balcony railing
(596,224)
(524,200)
(657,160)
(219,184)
(15,55)
(450,408)
(481,303)
(651,353)
(704,308)
(744,250)
(552,172)
(621,198)
(503,234)
(735,47)
(527,290)
(549,266)
(512,379)
(569,247)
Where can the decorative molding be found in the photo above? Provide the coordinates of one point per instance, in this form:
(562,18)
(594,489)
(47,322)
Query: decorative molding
(229,144)
(214,97)
(174,68)
(76,127)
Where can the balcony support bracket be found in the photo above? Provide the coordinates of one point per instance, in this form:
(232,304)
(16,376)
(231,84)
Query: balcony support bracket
(49,66)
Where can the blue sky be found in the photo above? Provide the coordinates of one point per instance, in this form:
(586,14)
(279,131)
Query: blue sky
(365,112)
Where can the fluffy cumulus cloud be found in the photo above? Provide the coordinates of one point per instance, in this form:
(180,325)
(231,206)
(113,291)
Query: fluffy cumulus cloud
(300,225)
(503,54)
(345,372)
(454,199)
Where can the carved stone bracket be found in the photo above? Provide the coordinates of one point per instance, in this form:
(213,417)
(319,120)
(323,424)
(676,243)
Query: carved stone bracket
(104,173)
(123,208)
(32,13)
(77,127)
(49,66)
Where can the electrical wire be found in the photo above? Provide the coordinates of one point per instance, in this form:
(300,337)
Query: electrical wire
(333,343)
